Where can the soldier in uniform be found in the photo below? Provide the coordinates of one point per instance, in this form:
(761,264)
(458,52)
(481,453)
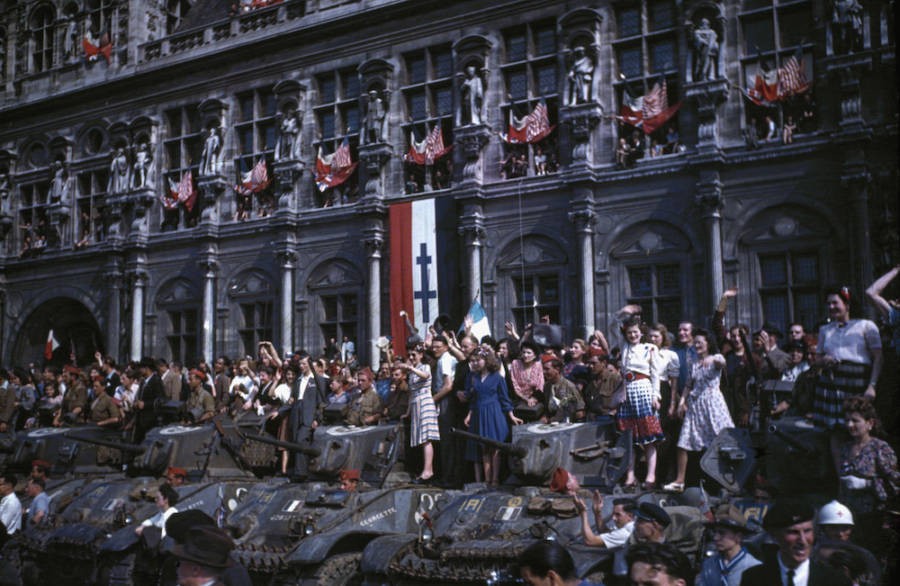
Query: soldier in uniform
(200,403)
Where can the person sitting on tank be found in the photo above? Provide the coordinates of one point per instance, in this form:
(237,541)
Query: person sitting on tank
(176,476)
(651,523)
(200,406)
(166,499)
(617,527)
(365,405)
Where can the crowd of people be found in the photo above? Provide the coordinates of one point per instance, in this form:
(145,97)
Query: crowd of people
(672,393)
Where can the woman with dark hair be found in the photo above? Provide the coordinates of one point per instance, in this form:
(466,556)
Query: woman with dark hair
(640,411)
(527,374)
(423,427)
(166,499)
(849,354)
(702,405)
(869,480)
(489,405)
(739,368)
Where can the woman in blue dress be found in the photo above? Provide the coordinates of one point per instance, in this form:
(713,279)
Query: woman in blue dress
(489,406)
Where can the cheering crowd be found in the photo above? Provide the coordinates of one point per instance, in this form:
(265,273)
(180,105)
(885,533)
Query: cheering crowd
(674,393)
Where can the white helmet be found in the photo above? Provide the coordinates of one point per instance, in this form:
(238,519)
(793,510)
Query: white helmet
(834,513)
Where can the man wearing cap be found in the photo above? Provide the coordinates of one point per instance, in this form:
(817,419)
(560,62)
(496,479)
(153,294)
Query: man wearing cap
(40,469)
(203,556)
(650,524)
(791,525)
(563,397)
(176,476)
(622,521)
(731,558)
(200,404)
(75,399)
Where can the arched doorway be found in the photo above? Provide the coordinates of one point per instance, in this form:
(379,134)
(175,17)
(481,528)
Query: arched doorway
(74,327)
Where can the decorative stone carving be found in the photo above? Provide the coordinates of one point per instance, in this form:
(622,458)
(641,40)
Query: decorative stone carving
(471,54)
(708,95)
(373,158)
(471,141)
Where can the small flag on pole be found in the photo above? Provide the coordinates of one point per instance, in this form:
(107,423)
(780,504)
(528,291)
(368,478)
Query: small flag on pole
(480,325)
(51,346)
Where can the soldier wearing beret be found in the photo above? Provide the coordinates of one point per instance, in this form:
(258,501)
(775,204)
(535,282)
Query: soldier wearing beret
(790,523)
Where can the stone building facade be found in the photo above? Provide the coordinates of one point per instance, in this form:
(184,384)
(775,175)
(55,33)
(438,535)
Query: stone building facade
(107,105)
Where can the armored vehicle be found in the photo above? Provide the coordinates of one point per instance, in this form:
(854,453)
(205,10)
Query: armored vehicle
(477,535)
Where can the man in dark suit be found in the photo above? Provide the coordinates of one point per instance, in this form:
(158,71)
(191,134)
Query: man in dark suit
(150,390)
(790,523)
(308,394)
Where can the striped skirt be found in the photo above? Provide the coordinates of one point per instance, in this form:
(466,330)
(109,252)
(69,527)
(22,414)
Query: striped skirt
(638,415)
(833,387)
(423,419)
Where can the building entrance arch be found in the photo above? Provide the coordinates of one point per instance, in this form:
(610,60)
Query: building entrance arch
(74,327)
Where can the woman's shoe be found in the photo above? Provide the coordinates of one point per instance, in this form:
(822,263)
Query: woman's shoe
(629,487)
(674,487)
(420,480)
(649,486)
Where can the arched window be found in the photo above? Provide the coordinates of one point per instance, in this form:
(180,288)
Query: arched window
(533,275)
(42,34)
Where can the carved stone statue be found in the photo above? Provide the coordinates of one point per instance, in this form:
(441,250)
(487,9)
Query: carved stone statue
(472,94)
(70,41)
(212,148)
(376,113)
(580,75)
(59,185)
(288,145)
(846,25)
(119,172)
(143,159)
(706,51)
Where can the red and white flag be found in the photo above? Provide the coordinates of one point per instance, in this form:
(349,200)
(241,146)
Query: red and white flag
(533,128)
(334,169)
(656,109)
(51,345)
(632,110)
(255,180)
(182,193)
(414,267)
(93,51)
(429,150)
(792,78)
(765,88)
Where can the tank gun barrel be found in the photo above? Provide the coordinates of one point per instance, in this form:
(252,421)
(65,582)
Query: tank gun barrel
(294,447)
(791,441)
(129,448)
(517,451)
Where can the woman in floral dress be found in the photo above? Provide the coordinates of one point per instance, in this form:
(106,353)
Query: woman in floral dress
(527,375)
(702,405)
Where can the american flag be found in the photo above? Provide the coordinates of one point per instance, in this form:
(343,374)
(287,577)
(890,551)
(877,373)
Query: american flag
(429,150)
(655,101)
(531,129)
(182,192)
(254,180)
(792,78)
(341,156)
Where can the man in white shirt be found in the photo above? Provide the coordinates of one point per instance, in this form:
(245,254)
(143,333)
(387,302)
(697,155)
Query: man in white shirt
(620,523)
(442,393)
(10,507)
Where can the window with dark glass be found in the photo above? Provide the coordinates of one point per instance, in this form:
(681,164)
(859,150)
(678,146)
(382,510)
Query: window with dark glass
(42,37)
(775,33)
(339,316)
(256,325)
(90,225)
(338,117)
(789,289)
(530,76)
(182,338)
(34,225)
(536,295)
(183,145)
(428,93)
(646,51)
(657,289)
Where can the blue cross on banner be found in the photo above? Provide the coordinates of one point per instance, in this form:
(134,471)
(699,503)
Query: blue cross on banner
(424,264)
(425,294)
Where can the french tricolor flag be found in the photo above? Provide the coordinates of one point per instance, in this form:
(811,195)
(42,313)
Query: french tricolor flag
(51,346)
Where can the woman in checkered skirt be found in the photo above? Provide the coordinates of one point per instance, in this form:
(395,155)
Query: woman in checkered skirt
(702,405)
(640,411)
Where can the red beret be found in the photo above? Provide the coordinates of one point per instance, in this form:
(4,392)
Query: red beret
(563,482)
(176,472)
(349,475)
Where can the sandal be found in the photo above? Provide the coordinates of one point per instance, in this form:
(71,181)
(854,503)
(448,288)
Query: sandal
(674,487)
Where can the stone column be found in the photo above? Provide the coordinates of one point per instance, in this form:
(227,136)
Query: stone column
(139,282)
(287,258)
(709,198)
(114,276)
(856,179)
(584,222)
(468,161)
(374,243)
(472,230)
(708,95)
(373,157)
(207,341)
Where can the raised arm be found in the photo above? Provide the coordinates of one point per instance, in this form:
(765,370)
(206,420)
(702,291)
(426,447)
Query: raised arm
(875,289)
